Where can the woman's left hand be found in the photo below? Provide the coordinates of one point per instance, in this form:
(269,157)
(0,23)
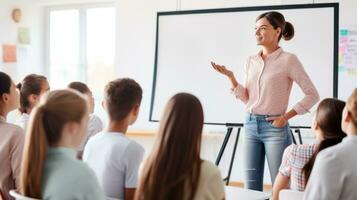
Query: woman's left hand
(278,121)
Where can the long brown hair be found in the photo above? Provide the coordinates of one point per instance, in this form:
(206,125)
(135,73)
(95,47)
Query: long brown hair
(173,168)
(46,125)
(328,117)
(32,84)
(277,20)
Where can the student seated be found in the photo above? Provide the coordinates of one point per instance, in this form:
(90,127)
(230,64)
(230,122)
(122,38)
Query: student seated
(174,169)
(31,89)
(111,154)
(95,124)
(49,168)
(334,175)
(11,138)
(298,160)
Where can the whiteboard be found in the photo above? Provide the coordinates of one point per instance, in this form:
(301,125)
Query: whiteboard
(188,40)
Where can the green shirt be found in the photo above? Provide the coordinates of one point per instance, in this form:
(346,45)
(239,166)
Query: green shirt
(66,178)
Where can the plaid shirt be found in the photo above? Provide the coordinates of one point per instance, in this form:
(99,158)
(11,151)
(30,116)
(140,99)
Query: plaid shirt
(294,159)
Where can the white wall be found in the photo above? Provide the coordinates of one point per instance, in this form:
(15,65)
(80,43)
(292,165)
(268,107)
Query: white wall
(30,57)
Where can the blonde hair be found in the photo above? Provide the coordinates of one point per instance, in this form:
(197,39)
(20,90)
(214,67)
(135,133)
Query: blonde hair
(352,106)
(47,121)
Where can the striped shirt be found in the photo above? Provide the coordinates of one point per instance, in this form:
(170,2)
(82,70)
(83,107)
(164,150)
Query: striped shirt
(268,84)
(294,159)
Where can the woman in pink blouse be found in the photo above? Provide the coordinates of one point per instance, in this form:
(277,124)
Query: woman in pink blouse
(269,76)
(11,138)
(298,160)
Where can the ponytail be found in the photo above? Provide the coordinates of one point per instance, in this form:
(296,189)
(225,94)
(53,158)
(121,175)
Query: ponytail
(34,155)
(306,170)
(47,121)
(288,31)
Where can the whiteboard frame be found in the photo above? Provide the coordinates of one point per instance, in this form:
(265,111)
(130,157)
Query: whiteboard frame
(335,7)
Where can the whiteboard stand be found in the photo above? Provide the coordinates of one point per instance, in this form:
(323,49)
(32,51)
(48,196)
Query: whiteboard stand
(223,147)
(297,130)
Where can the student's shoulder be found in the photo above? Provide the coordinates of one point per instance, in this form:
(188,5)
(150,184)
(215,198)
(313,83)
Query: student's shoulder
(15,131)
(333,152)
(303,148)
(82,170)
(209,169)
(95,138)
(134,146)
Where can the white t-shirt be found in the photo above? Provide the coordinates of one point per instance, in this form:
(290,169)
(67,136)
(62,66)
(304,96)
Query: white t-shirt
(23,120)
(115,160)
(95,125)
(334,175)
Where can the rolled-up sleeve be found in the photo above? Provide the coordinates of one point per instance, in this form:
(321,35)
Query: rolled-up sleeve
(298,74)
(241,92)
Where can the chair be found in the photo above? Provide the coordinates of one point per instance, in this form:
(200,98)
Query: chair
(291,195)
(18,196)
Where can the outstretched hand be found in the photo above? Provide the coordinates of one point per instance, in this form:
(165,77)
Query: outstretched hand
(222,69)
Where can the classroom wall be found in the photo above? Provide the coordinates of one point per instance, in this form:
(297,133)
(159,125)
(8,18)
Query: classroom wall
(30,57)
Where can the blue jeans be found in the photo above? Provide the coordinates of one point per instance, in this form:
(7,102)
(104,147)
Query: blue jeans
(262,138)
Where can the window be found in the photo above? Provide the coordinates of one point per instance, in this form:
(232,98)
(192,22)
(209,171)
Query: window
(81,45)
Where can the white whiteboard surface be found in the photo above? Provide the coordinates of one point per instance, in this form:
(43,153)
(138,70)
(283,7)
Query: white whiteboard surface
(187,42)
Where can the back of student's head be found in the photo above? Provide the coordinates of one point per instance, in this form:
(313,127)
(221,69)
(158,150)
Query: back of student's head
(328,119)
(5,84)
(173,168)
(79,86)
(47,121)
(352,106)
(9,97)
(121,97)
(32,84)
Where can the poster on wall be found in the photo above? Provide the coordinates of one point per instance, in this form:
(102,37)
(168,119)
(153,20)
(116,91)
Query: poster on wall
(347,61)
(9,53)
(23,36)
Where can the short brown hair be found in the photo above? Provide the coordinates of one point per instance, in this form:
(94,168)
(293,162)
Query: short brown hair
(121,96)
(79,86)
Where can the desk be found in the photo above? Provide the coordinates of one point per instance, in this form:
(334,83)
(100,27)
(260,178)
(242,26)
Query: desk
(236,193)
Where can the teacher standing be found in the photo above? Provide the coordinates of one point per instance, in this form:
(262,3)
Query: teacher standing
(269,77)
